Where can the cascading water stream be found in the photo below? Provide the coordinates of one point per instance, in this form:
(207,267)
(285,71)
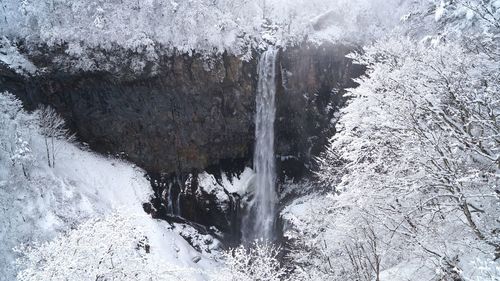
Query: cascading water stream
(259,223)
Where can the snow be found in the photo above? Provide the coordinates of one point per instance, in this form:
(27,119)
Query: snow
(208,183)
(440,10)
(406,271)
(293,217)
(202,242)
(239,184)
(473,268)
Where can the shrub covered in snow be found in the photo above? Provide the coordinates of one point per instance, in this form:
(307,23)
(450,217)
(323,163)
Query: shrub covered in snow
(259,262)
(99,249)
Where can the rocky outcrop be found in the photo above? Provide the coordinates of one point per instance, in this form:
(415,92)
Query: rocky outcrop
(195,114)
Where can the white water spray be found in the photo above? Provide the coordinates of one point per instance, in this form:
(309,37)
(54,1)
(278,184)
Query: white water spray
(259,223)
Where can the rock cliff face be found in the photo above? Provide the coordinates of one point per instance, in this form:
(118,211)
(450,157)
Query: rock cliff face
(195,115)
(188,116)
(314,79)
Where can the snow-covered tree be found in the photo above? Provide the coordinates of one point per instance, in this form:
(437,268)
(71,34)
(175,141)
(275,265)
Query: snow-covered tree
(89,30)
(112,248)
(11,108)
(414,167)
(258,262)
(22,155)
(53,129)
(14,133)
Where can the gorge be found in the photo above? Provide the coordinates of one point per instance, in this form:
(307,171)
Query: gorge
(249,140)
(187,119)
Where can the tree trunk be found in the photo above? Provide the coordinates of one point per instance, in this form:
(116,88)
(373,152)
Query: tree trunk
(48,152)
(53,153)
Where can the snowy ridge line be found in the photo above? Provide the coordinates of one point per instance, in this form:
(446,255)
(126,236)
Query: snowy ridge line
(204,27)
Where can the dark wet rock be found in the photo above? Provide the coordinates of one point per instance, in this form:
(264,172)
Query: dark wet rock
(314,79)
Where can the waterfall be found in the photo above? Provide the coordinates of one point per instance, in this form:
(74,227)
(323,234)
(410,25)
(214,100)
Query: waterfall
(259,223)
(170,203)
(178,205)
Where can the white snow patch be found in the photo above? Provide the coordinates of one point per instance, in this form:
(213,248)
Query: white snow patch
(231,184)
(406,271)
(209,184)
(239,184)
(83,185)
